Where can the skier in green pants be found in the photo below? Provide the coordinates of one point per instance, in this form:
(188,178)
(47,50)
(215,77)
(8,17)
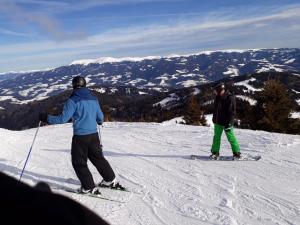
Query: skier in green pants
(223,119)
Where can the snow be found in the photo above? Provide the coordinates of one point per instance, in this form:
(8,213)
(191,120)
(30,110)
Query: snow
(113,90)
(232,71)
(208,102)
(295,115)
(166,101)
(153,161)
(270,67)
(138,80)
(163,82)
(157,89)
(209,121)
(26,71)
(182,71)
(177,120)
(215,51)
(142,93)
(188,83)
(246,84)
(4,98)
(150,84)
(297,92)
(196,91)
(298,101)
(103,60)
(189,75)
(289,61)
(248,99)
(100,90)
(38,86)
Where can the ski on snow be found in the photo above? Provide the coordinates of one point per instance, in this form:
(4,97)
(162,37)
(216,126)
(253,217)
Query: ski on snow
(117,188)
(74,191)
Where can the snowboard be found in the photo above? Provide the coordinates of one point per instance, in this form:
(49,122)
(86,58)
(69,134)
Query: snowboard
(227,158)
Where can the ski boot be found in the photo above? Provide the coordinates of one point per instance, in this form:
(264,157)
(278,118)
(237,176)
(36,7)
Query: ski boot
(236,156)
(114,184)
(214,156)
(93,191)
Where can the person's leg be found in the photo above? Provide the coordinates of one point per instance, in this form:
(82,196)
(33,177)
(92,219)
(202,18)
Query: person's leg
(215,148)
(233,141)
(79,161)
(96,156)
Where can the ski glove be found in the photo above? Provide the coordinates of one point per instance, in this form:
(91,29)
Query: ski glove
(43,117)
(99,123)
(227,127)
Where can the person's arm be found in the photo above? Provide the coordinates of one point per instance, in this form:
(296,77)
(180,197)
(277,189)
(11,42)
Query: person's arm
(231,112)
(68,112)
(215,109)
(232,109)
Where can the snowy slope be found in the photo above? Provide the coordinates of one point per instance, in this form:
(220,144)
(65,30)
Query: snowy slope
(152,160)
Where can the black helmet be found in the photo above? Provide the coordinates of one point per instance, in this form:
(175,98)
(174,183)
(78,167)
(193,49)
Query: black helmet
(219,87)
(78,82)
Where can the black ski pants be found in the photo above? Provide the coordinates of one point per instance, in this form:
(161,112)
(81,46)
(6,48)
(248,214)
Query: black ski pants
(86,147)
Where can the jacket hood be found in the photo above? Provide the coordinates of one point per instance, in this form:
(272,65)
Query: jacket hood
(82,92)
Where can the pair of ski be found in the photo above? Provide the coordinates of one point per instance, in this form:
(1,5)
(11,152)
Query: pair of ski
(99,196)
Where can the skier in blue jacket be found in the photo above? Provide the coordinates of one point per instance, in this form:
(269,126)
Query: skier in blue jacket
(84,110)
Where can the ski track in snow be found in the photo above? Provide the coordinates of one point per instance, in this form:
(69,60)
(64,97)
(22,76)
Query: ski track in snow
(167,187)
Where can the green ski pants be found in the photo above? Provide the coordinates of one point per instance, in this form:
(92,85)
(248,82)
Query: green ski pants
(218,129)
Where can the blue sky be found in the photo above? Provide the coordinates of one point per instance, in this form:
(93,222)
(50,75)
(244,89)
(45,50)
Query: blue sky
(38,34)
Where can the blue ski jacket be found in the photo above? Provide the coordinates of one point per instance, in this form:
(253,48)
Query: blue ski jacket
(84,109)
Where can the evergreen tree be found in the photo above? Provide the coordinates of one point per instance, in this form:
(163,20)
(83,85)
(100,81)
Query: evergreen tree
(194,115)
(273,108)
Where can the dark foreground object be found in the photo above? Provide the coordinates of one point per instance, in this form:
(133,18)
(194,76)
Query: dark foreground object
(22,204)
(42,186)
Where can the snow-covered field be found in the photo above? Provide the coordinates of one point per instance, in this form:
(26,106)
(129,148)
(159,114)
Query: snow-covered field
(153,161)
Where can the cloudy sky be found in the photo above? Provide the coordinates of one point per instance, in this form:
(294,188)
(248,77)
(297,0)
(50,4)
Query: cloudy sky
(39,34)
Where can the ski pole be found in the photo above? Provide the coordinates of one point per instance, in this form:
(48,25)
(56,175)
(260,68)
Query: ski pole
(37,130)
(100,138)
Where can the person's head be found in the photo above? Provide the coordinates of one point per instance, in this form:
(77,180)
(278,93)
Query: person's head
(219,89)
(78,82)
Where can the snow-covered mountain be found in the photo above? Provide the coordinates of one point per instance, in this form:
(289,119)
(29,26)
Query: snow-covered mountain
(170,189)
(151,73)
(134,104)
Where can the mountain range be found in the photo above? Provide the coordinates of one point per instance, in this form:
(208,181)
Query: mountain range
(148,74)
(151,88)
(128,104)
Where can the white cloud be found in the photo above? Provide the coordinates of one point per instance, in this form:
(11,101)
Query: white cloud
(13,33)
(21,16)
(75,5)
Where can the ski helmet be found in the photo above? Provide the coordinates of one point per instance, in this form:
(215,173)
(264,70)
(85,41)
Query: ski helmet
(78,82)
(219,87)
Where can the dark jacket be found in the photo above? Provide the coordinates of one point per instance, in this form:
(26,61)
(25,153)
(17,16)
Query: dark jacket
(224,109)
(22,204)
(84,109)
